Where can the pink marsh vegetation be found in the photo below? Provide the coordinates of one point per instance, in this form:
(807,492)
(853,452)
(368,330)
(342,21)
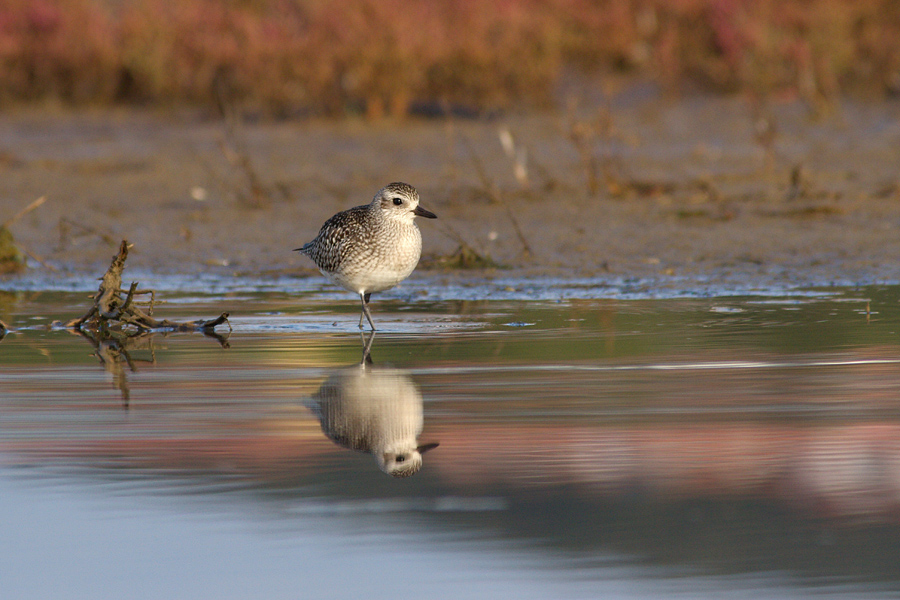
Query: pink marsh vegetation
(382,56)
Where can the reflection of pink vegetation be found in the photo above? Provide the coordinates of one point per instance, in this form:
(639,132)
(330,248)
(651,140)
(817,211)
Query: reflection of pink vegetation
(848,471)
(840,458)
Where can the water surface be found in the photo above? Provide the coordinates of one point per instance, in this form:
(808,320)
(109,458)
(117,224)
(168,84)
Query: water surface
(625,445)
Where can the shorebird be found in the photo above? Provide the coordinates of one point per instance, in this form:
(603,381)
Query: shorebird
(371,248)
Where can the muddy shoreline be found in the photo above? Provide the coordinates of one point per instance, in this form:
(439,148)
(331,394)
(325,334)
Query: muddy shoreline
(694,189)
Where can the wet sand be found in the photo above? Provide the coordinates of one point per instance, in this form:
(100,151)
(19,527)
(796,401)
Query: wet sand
(688,189)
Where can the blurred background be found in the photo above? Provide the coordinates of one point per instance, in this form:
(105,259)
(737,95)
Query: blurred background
(390,57)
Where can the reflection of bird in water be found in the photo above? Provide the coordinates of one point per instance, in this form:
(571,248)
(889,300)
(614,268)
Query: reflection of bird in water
(378,411)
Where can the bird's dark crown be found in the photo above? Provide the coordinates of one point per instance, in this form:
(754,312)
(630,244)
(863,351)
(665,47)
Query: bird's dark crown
(401,188)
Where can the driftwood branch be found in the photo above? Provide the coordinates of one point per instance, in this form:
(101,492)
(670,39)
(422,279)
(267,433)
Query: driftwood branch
(115,308)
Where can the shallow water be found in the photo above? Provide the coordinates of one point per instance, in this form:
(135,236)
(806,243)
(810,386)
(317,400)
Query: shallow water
(595,441)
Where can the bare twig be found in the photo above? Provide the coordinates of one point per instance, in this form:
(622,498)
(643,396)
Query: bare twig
(65,224)
(18,247)
(496,195)
(579,134)
(233,149)
(518,154)
(36,257)
(465,256)
(585,135)
(112,310)
(238,158)
(24,212)
(797,187)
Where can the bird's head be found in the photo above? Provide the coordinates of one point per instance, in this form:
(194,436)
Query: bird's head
(400,201)
(403,462)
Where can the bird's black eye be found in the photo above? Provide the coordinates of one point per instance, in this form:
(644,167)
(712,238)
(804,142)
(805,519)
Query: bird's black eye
(398,201)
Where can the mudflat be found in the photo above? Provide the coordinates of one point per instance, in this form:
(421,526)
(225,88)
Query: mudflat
(699,187)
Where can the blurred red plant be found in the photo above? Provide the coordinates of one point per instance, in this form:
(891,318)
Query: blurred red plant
(381,56)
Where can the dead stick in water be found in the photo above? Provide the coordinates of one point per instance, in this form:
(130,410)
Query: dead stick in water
(111,309)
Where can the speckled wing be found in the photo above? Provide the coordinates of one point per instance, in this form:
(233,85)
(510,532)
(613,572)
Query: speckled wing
(336,238)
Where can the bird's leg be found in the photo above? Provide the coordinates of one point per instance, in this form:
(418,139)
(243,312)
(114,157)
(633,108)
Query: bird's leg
(367,347)
(364,300)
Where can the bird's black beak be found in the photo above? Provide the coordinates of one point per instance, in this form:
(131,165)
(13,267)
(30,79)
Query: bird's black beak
(426,447)
(421,212)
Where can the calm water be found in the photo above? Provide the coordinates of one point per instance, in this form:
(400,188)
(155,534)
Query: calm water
(743,446)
